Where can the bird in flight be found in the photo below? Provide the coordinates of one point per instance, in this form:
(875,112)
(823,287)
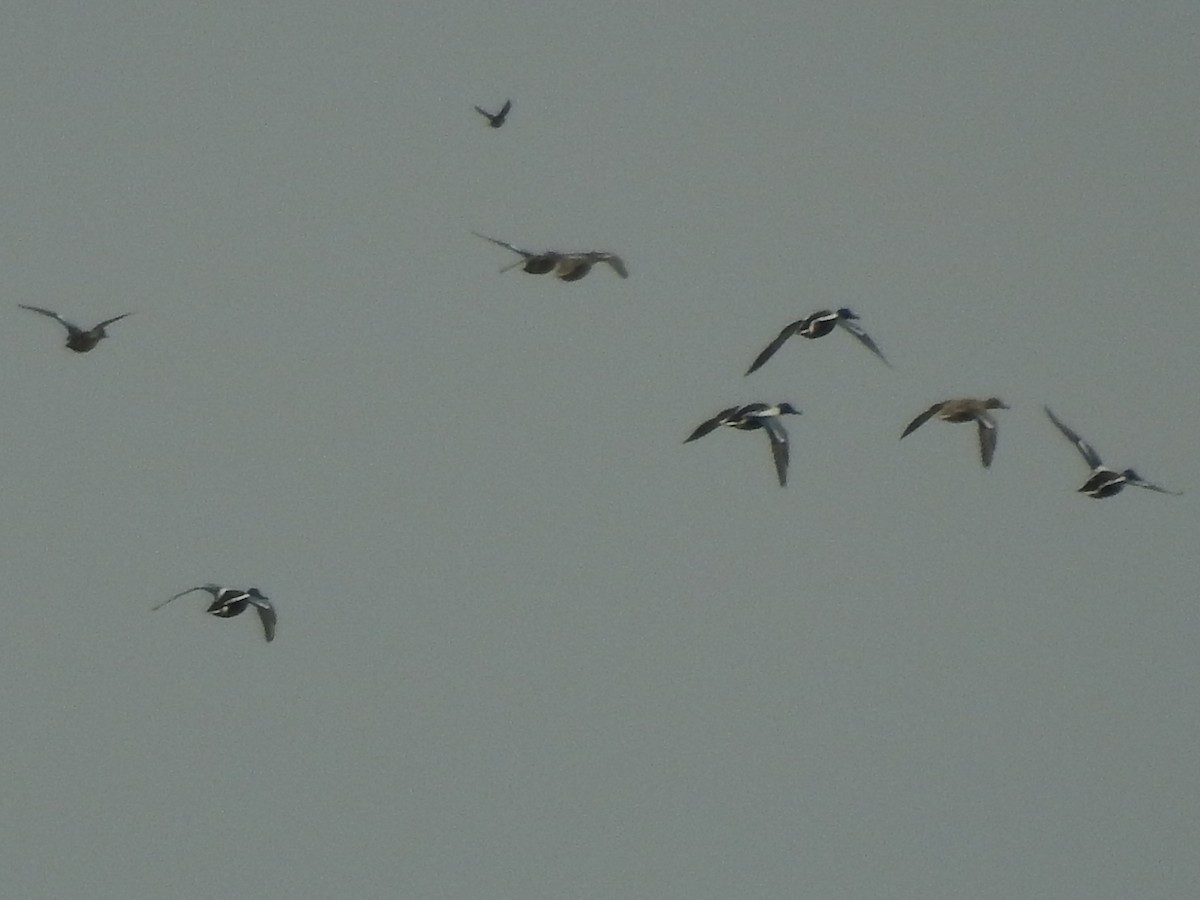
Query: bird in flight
(1103,481)
(78,339)
(818,325)
(229,602)
(566,266)
(496,119)
(754,416)
(966,409)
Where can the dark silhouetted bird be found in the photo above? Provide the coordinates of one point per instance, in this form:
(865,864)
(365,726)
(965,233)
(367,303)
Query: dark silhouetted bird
(496,119)
(229,602)
(79,339)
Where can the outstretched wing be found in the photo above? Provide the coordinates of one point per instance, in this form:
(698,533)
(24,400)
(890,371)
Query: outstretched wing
(1137,480)
(779,447)
(504,110)
(987,439)
(113,319)
(921,419)
(1086,450)
(616,262)
(211,588)
(526,255)
(704,428)
(773,346)
(505,244)
(857,330)
(721,418)
(1154,487)
(266,613)
(71,327)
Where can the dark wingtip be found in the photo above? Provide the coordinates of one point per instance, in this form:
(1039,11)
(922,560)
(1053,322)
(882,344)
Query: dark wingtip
(759,362)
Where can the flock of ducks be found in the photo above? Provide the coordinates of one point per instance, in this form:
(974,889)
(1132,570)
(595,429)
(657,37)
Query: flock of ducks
(1102,482)
(570,266)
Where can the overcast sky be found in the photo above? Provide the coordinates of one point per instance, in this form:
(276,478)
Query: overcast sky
(530,644)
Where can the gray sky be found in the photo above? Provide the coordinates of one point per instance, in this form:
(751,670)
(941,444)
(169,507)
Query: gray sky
(530,645)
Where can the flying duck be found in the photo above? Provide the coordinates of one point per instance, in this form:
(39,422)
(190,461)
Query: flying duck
(966,409)
(566,266)
(1103,482)
(78,339)
(229,602)
(496,119)
(818,325)
(750,417)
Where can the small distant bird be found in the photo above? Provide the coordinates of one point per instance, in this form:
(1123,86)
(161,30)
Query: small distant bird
(966,409)
(565,266)
(229,602)
(496,119)
(78,339)
(754,416)
(1103,482)
(818,325)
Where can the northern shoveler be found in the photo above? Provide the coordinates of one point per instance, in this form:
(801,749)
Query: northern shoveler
(229,602)
(754,416)
(818,325)
(1103,481)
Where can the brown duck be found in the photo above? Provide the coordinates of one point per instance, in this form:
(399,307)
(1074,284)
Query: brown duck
(965,409)
(566,266)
